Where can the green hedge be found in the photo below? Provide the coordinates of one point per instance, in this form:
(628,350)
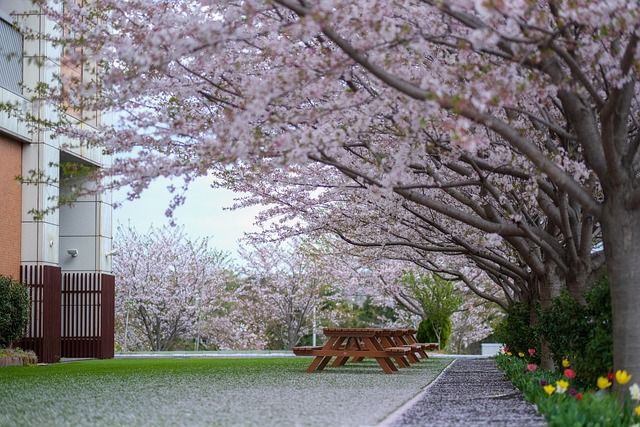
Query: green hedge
(516,332)
(14,310)
(580,334)
(426,334)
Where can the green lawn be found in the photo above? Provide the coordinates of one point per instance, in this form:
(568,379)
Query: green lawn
(211,392)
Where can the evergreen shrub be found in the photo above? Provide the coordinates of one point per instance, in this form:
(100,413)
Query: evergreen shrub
(597,356)
(515,330)
(14,310)
(582,335)
(426,333)
(564,326)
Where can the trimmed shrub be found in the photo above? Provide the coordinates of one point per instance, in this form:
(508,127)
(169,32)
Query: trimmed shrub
(515,330)
(564,326)
(426,333)
(14,310)
(583,335)
(597,357)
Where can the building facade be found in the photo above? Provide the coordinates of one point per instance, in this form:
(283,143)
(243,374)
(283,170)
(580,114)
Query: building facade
(65,256)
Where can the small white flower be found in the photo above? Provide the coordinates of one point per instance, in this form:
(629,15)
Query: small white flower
(635,391)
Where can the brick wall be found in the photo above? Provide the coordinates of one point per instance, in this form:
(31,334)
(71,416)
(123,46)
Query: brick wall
(11,207)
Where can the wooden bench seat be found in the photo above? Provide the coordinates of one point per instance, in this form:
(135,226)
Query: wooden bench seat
(387,352)
(422,345)
(305,350)
(397,350)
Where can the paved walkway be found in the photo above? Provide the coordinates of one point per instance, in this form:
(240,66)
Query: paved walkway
(469,392)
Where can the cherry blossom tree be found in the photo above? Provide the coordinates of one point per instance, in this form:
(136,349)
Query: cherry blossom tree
(464,114)
(167,285)
(472,323)
(287,283)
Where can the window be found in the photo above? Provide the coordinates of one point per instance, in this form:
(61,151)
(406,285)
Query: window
(11,50)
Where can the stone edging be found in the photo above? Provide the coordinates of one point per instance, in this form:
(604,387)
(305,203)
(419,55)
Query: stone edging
(11,361)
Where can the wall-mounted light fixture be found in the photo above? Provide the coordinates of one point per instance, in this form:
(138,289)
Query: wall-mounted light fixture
(72,252)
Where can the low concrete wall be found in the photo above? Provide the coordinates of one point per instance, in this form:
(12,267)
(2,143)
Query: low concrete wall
(10,361)
(489,349)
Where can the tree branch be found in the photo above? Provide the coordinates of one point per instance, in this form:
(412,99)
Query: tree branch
(449,103)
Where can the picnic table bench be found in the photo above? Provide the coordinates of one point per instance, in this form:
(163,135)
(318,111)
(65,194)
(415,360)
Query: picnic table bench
(358,343)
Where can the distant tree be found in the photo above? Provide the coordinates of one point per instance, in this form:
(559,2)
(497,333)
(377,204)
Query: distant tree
(14,310)
(472,322)
(167,285)
(286,282)
(438,298)
(367,314)
(426,333)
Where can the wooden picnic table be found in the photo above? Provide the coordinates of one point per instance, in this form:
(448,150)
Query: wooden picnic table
(384,345)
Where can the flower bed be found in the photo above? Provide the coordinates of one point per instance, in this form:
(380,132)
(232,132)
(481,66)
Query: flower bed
(563,401)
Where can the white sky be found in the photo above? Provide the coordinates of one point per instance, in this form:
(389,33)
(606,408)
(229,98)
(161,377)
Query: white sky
(202,214)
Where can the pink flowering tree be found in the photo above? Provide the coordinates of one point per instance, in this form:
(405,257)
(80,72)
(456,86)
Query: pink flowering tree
(286,283)
(472,323)
(457,112)
(167,287)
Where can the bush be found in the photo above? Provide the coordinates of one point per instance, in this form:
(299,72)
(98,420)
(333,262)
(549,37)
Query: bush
(564,326)
(515,330)
(426,333)
(597,355)
(583,334)
(14,310)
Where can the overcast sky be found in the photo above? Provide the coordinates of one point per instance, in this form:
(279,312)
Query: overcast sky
(202,214)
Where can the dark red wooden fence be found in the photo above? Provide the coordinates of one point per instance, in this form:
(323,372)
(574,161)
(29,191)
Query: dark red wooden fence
(87,315)
(72,314)
(42,335)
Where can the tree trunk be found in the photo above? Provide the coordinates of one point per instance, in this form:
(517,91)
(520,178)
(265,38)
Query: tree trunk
(437,337)
(549,287)
(621,235)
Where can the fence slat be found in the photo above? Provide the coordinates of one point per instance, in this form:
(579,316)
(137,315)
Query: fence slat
(42,334)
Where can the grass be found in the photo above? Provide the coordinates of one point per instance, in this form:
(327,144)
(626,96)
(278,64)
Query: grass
(211,392)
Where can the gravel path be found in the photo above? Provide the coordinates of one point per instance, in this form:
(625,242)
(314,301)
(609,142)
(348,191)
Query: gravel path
(469,392)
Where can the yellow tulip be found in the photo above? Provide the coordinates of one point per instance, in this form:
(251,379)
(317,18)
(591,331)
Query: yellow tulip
(638,410)
(509,353)
(565,363)
(622,377)
(549,388)
(603,382)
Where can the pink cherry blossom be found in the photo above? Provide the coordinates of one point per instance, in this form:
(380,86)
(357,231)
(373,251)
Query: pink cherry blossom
(493,142)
